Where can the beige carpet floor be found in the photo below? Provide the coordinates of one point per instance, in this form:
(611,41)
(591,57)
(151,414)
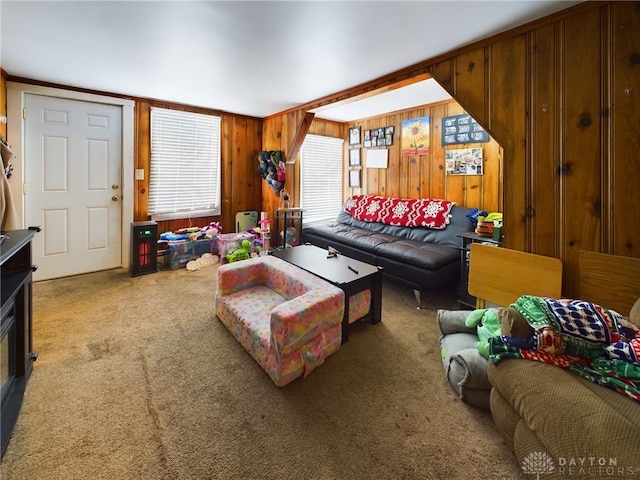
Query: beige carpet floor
(137,379)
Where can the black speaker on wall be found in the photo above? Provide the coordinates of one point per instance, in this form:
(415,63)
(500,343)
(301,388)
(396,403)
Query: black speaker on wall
(144,245)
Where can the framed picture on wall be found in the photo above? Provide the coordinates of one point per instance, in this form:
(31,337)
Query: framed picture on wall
(354,136)
(354,157)
(415,136)
(464,161)
(354,178)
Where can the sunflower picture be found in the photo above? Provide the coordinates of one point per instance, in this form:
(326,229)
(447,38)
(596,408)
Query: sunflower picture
(415,136)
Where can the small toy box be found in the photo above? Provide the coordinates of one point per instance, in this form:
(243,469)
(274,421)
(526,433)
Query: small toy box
(181,252)
(229,242)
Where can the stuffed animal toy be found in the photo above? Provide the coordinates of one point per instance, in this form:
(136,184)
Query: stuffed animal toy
(242,253)
(211,230)
(487,325)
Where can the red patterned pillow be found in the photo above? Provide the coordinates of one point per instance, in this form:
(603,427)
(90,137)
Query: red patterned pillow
(422,212)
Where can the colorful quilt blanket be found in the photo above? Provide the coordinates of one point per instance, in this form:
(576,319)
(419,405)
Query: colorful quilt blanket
(421,212)
(594,342)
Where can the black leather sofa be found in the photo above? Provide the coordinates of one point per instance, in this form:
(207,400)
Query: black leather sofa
(423,258)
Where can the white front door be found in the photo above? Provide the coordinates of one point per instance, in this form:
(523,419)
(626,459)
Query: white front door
(73,177)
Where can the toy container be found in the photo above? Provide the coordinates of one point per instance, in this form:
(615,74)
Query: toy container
(182,252)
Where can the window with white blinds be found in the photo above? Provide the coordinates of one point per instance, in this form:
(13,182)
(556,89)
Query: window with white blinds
(321,178)
(184,176)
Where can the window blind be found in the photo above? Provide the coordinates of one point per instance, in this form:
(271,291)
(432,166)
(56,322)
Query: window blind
(321,177)
(184,176)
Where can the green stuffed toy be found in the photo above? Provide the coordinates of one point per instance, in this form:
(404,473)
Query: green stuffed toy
(487,325)
(241,253)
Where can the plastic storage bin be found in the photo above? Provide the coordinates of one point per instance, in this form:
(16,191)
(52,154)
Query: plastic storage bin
(183,251)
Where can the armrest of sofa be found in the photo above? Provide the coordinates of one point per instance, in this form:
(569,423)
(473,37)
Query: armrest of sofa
(233,277)
(296,321)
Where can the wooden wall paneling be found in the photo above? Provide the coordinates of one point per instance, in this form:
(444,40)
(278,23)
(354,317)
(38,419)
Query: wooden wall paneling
(491,185)
(473,190)
(470,74)
(418,168)
(625,165)
(328,128)
(142,160)
(246,135)
(454,189)
(403,175)
(227,173)
(506,87)
(272,128)
(580,171)
(413,170)
(433,179)
(543,143)
(442,72)
(421,179)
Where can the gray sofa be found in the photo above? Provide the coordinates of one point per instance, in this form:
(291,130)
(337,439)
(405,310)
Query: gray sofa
(423,258)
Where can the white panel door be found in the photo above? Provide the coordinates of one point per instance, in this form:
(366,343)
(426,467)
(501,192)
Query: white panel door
(73,162)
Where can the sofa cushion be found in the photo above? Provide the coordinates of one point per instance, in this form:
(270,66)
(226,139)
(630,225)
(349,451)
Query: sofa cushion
(424,255)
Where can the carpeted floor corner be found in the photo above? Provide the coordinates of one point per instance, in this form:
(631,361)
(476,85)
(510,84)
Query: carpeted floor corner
(137,379)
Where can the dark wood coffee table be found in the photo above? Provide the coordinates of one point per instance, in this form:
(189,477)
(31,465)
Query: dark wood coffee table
(352,276)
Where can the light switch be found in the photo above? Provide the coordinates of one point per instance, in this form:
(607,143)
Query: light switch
(139,173)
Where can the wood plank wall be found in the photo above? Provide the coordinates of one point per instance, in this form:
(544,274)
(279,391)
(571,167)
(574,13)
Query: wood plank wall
(570,132)
(424,176)
(561,97)
(278,131)
(241,143)
(418,176)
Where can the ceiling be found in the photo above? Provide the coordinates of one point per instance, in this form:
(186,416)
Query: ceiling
(254,58)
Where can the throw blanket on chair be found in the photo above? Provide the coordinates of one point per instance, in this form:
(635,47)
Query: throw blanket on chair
(422,212)
(591,341)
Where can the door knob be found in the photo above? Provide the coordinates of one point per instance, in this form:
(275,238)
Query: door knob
(115,198)
(115,186)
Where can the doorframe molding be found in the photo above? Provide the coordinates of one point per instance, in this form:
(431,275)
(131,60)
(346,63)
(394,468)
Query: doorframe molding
(16,100)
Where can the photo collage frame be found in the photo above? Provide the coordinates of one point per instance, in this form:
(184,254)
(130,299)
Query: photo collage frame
(378,137)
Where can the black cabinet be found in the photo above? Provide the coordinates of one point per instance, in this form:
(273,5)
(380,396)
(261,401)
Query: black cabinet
(16,349)
(464,297)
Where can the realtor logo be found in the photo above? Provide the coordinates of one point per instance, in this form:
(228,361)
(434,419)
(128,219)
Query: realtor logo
(536,463)
(541,463)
